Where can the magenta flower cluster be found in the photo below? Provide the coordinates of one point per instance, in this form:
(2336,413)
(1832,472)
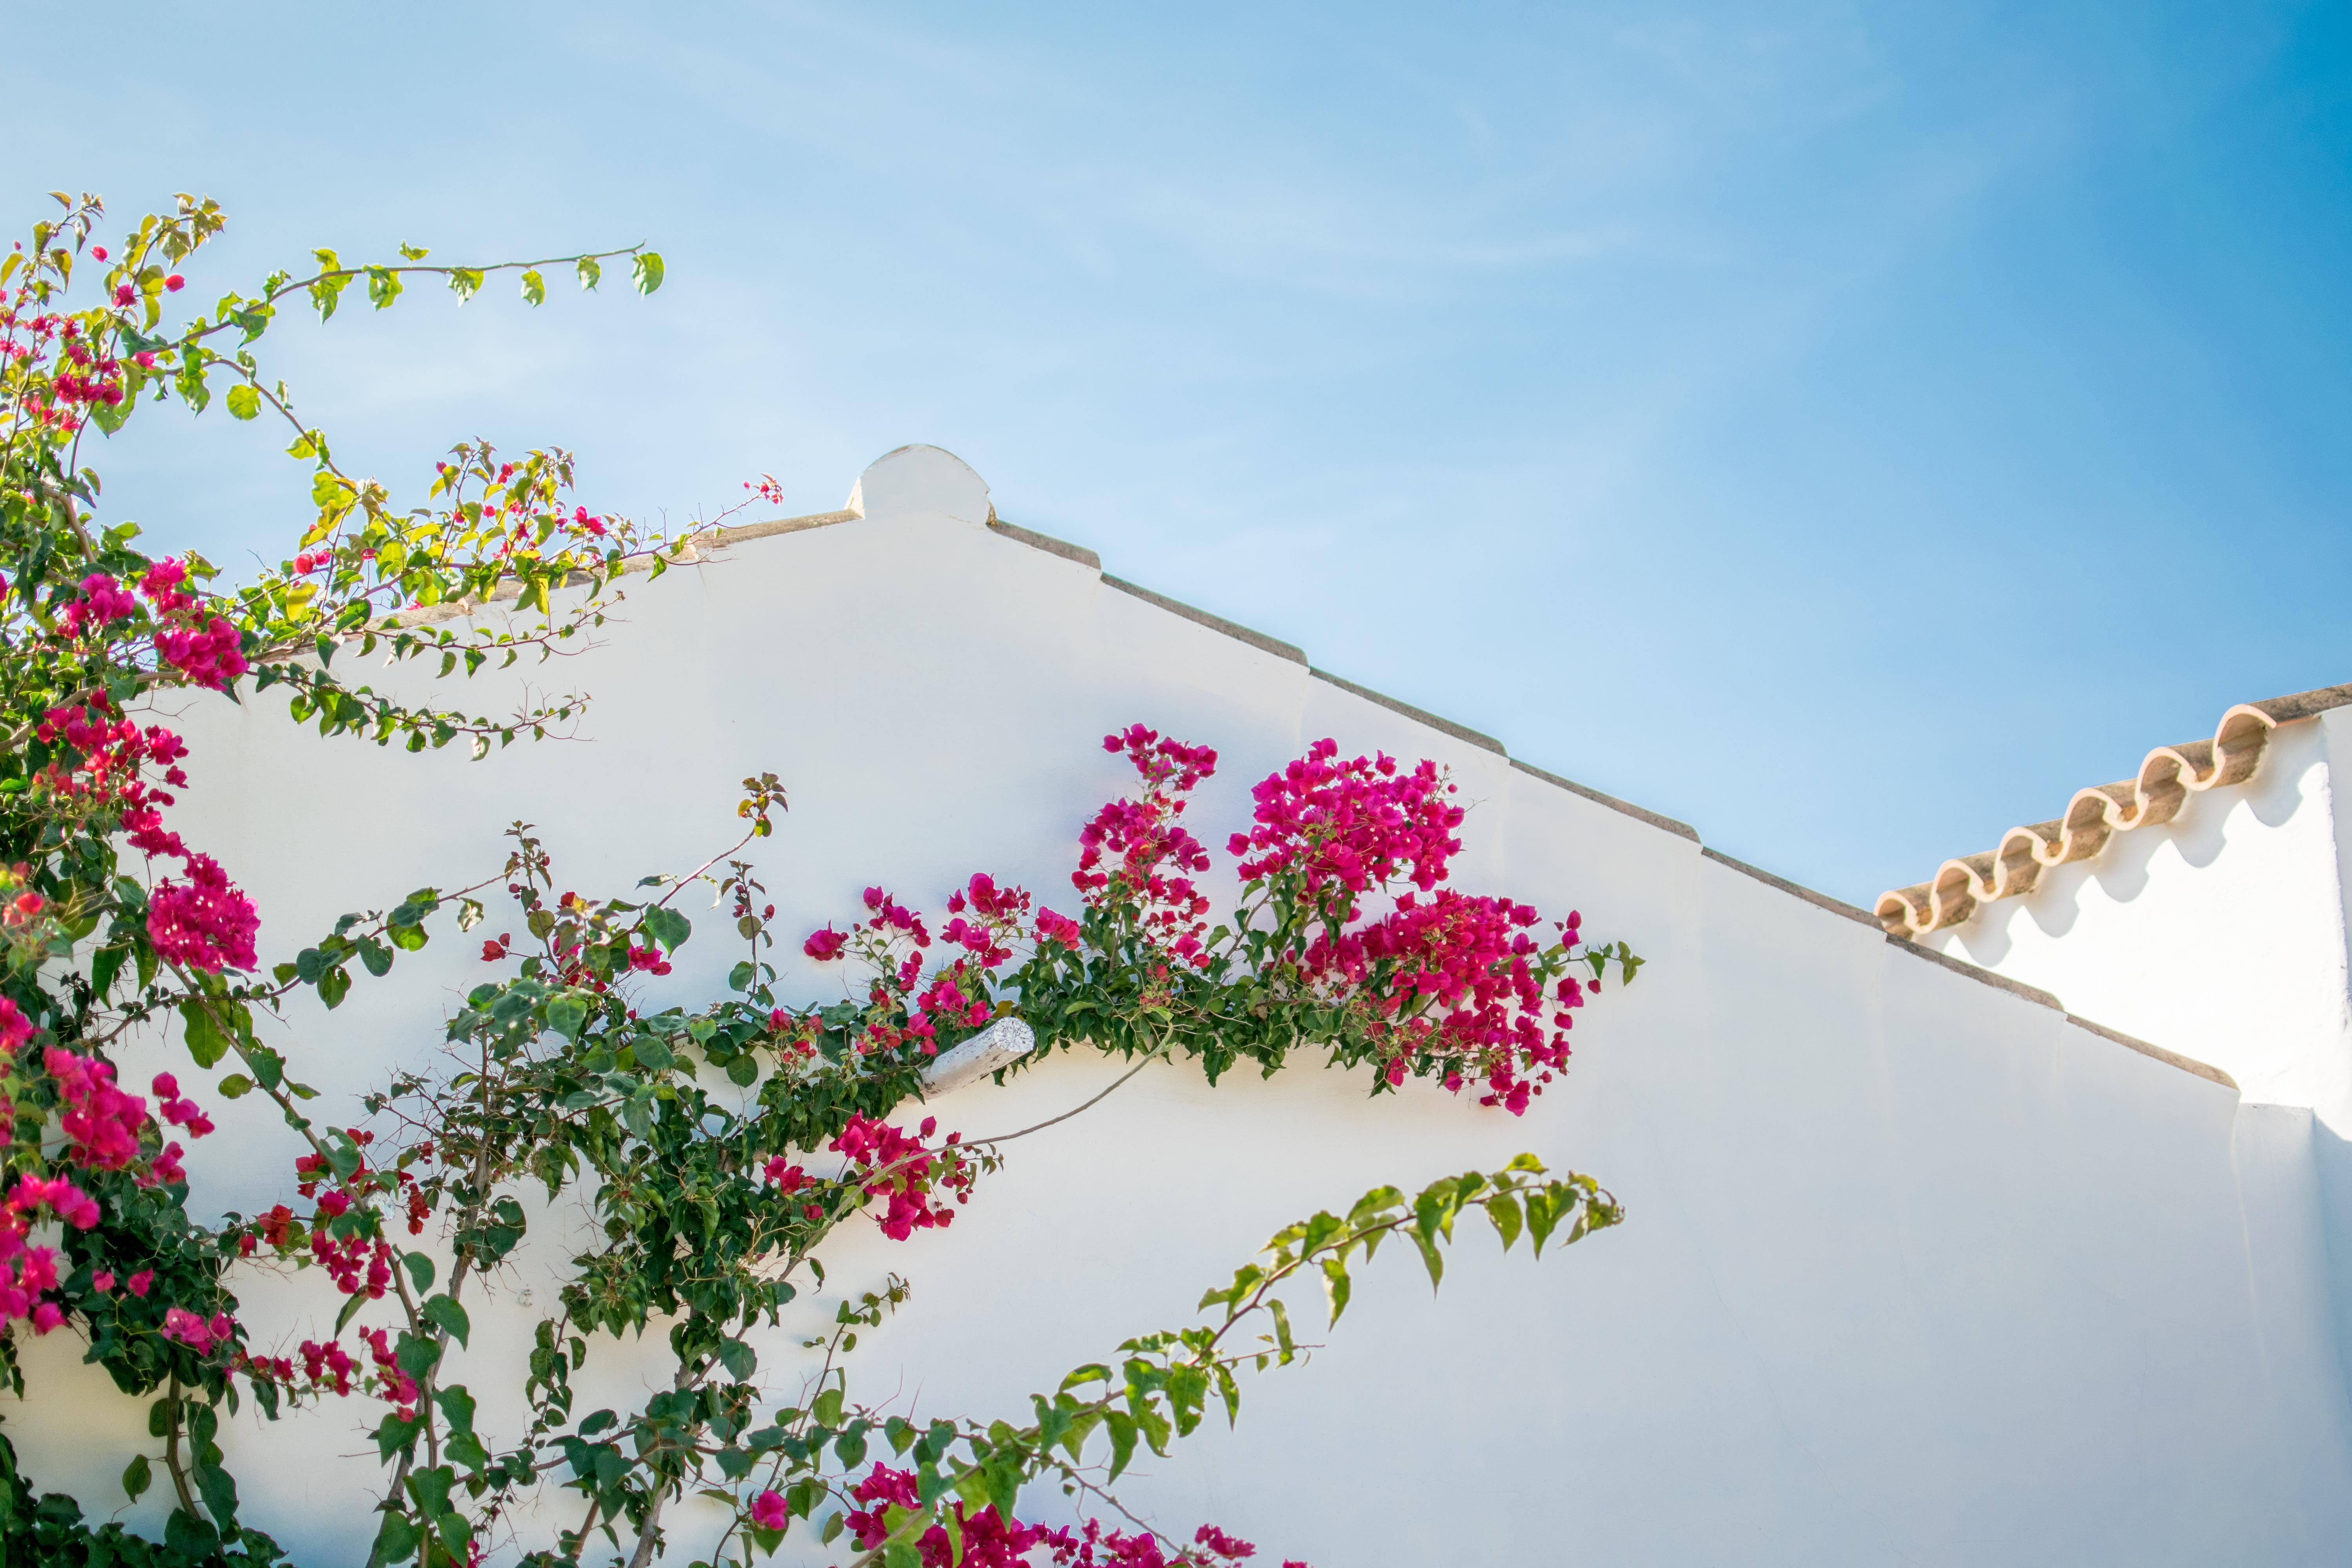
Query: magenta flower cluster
(205,649)
(206,921)
(984,921)
(991,1541)
(1445,979)
(905,1171)
(27,1272)
(1350,855)
(1342,829)
(1134,857)
(105,1128)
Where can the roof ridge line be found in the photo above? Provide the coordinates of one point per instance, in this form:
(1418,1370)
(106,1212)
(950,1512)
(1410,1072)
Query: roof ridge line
(1215,623)
(1640,812)
(2276,710)
(2034,993)
(1297,654)
(719,537)
(1823,900)
(2171,1058)
(1443,725)
(2272,712)
(2168,777)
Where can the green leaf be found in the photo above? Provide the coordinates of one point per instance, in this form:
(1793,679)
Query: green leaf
(1504,1210)
(420,1269)
(1430,1258)
(1122,1441)
(1543,1212)
(739,1359)
(350,1310)
(468,1450)
(416,1357)
(444,1314)
(392,1434)
(383,286)
(184,1534)
(668,927)
(105,964)
(218,1490)
(333,986)
(242,402)
(206,1044)
(1282,1340)
(647,270)
(1336,1286)
(236,1086)
(397,1541)
(458,1407)
(1230,1392)
(193,390)
(534,287)
(137,1476)
(566,1016)
(589,273)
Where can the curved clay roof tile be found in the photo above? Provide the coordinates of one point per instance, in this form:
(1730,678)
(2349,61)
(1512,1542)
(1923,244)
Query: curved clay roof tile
(2167,778)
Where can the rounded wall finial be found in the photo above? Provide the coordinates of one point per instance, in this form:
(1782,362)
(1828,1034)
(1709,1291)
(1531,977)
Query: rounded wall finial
(921,480)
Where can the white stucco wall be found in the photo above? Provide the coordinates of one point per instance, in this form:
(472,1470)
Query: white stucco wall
(2219,934)
(1917,1270)
(2223,936)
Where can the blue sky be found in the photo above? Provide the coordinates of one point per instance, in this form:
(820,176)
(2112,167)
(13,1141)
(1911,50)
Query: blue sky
(1848,428)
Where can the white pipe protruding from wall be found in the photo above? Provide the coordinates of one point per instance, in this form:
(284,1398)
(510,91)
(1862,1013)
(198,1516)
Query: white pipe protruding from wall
(1006,1040)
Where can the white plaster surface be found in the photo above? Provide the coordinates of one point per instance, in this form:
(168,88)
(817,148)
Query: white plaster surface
(1914,1270)
(2219,934)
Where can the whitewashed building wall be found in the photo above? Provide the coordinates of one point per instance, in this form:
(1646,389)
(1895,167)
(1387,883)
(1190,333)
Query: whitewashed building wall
(2221,935)
(1918,1268)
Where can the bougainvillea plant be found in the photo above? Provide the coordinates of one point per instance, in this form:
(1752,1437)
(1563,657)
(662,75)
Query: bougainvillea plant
(717,1146)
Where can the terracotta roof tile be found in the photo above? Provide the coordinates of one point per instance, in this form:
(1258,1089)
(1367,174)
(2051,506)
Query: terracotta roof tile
(2167,778)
